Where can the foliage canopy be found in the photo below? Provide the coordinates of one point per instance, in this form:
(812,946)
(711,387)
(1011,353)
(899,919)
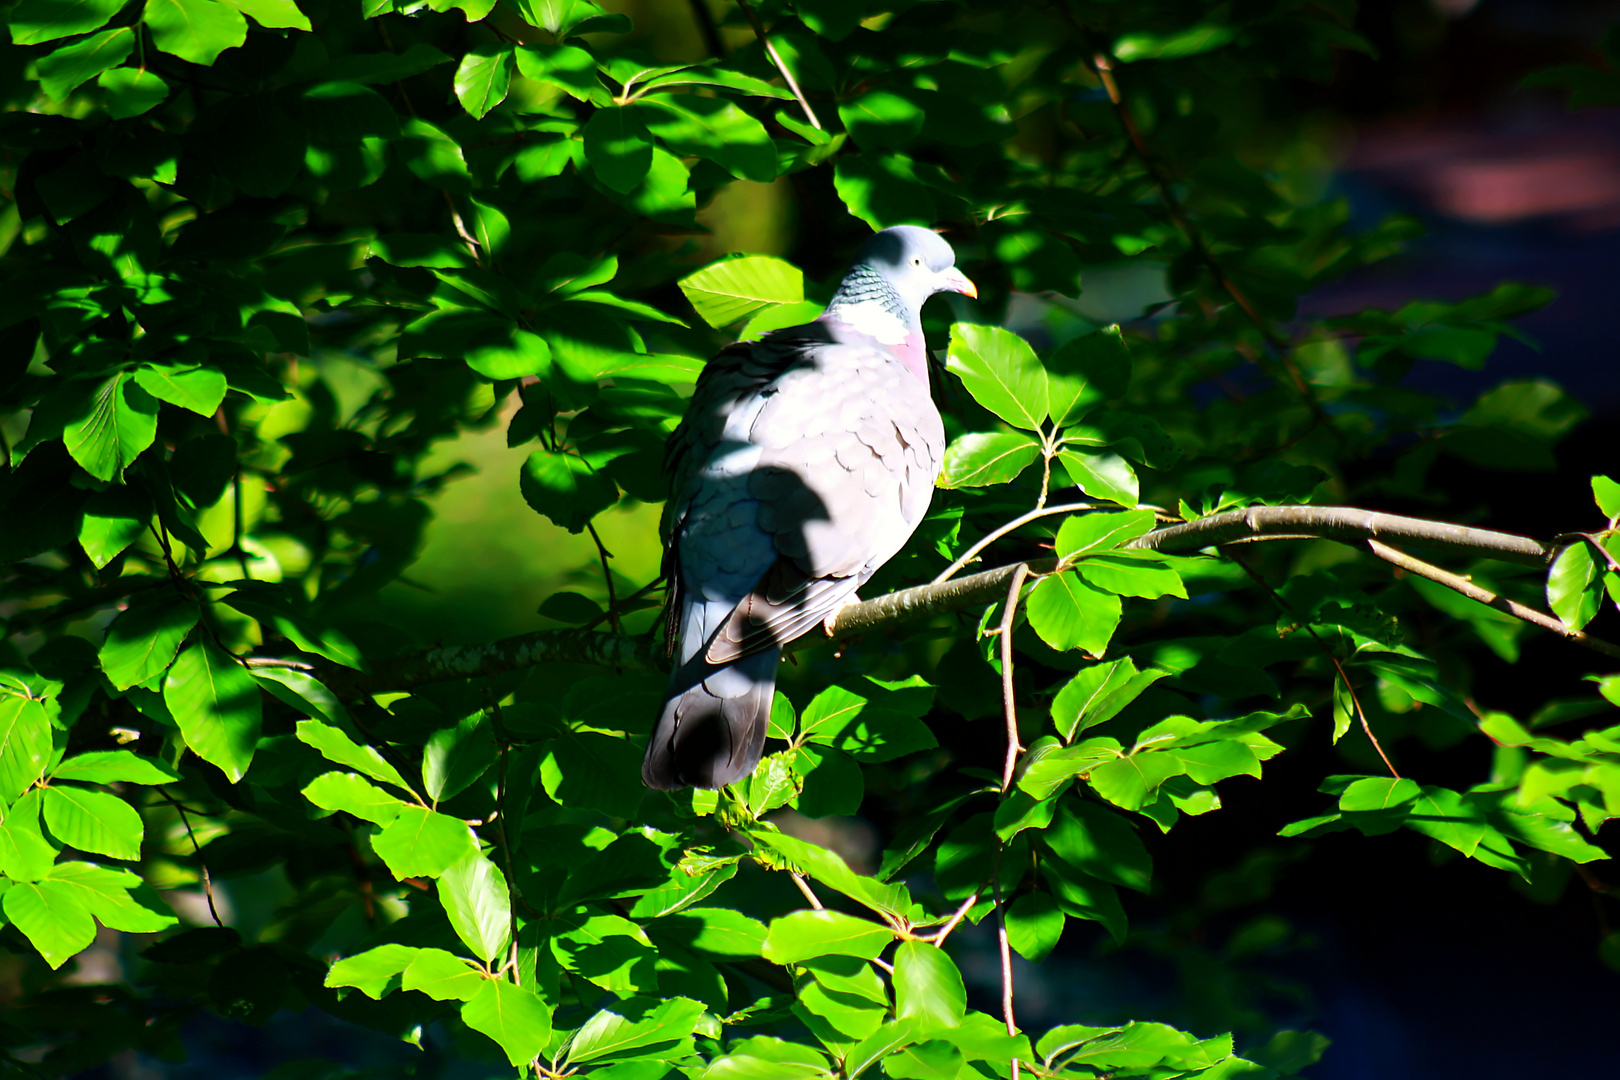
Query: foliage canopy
(261,257)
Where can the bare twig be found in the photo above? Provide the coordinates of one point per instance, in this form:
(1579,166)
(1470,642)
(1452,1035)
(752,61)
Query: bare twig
(1345,524)
(1501,603)
(1104,69)
(607,576)
(1342,523)
(1015,524)
(1009,708)
(781,65)
(1326,651)
(632,598)
(956,917)
(196,849)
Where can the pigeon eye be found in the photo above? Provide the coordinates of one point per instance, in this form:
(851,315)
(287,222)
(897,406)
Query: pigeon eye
(916,261)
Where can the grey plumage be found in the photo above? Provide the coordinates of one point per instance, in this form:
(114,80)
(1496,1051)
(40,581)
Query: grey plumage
(805,461)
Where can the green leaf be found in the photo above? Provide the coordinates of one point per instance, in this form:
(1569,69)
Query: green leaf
(276,14)
(721,931)
(443,976)
(592,771)
(109,895)
(113,520)
(879,120)
(611,1033)
(706,75)
(1132,574)
(566,489)
(832,19)
(351,794)
(1196,39)
(732,289)
(25,853)
(1574,589)
(979,459)
(517,1019)
(927,987)
(805,934)
(373,971)
(1085,372)
(1068,613)
(454,757)
(1084,897)
(51,917)
(1098,693)
(713,128)
(1084,534)
(882,190)
(568,67)
(122,423)
(142,641)
(423,843)
(1379,793)
(194,30)
(484,77)
(33,22)
(25,744)
(1101,843)
(335,746)
(70,66)
(475,897)
(618,147)
(1034,925)
(1606,493)
(1102,476)
(870,722)
(97,821)
(1001,371)
(200,389)
(217,705)
(879,1045)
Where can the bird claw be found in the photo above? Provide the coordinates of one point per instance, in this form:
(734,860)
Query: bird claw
(831,620)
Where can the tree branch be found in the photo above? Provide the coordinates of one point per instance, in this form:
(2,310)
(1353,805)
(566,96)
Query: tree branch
(1344,523)
(1365,529)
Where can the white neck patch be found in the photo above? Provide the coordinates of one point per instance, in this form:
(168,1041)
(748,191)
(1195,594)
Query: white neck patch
(872,319)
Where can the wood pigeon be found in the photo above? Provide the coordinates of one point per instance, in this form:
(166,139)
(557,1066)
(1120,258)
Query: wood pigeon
(805,461)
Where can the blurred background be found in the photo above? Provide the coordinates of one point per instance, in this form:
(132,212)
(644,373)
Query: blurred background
(1508,185)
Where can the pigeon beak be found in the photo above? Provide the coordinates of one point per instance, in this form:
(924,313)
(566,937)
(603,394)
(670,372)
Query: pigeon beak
(956,281)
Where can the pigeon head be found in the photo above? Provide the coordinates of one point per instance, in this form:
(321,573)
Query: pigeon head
(899,268)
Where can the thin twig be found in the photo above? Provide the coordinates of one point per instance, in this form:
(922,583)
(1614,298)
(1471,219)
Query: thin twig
(1007,705)
(781,65)
(607,576)
(1104,69)
(951,923)
(1016,523)
(1327,651)
(804,887)
(1485,596)
(1005,949)
(196,849)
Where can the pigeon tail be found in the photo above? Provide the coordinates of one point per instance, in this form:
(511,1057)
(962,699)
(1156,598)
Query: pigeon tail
(711,730)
